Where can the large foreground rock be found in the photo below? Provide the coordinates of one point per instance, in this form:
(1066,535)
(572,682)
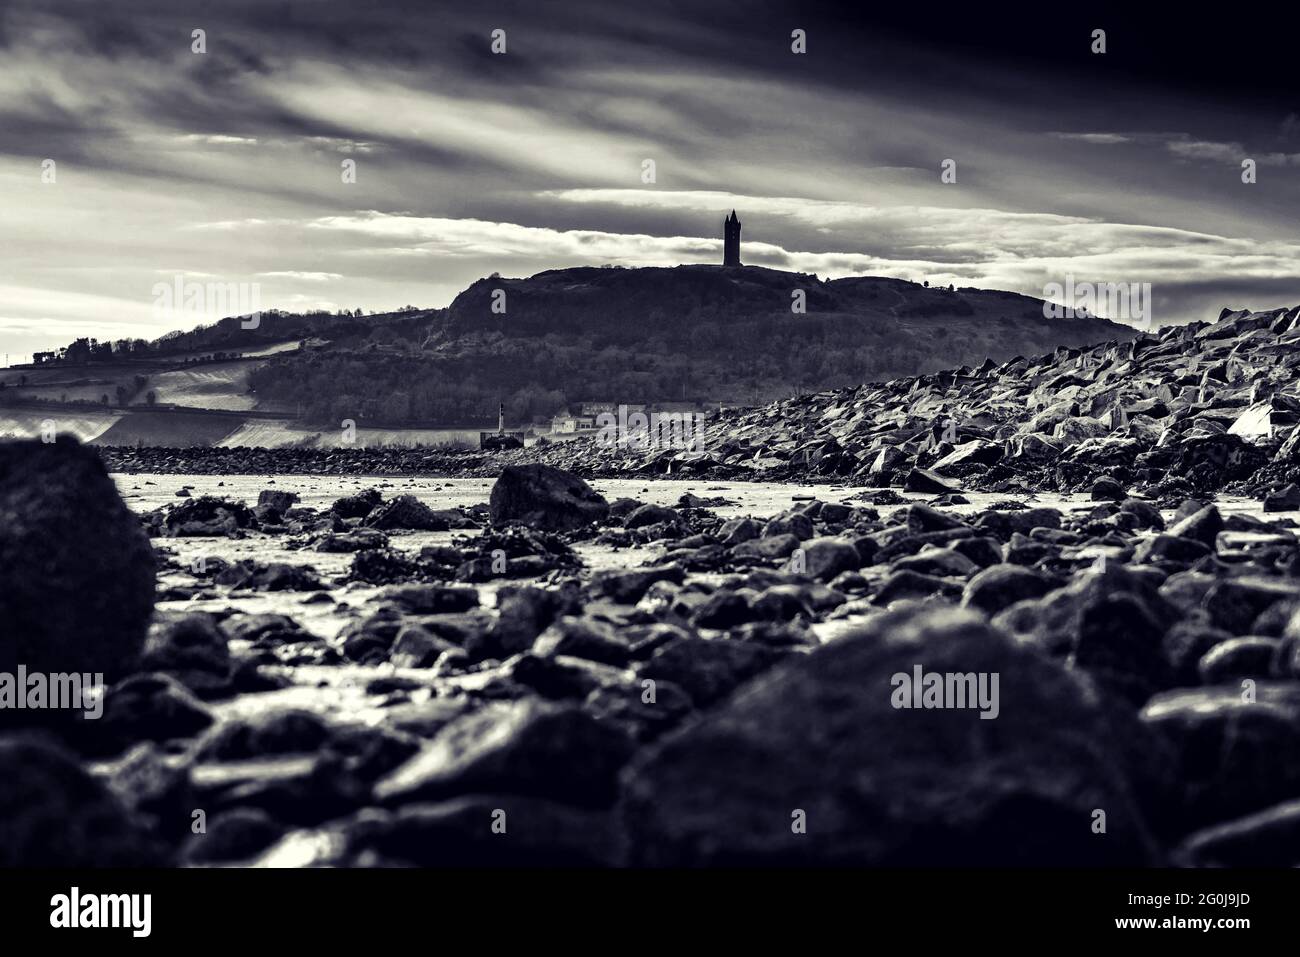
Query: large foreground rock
(1236,753)
(76,569)
(818,741)
(54,814)
(543,497)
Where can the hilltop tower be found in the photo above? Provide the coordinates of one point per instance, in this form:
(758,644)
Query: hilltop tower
(731,240)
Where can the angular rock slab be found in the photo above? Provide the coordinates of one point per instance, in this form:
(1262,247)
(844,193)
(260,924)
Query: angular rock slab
(881,786)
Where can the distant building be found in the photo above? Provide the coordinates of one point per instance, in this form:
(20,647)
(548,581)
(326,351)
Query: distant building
(731,240)
(500,439)
(571,423)
(581,419)
(593,409)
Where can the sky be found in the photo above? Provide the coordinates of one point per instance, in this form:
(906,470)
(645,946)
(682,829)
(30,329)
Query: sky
(128,158)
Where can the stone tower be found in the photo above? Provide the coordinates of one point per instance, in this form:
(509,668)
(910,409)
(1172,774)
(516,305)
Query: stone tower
(731,240)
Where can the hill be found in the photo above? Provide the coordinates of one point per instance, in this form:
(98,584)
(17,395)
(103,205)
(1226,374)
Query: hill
(705,335)
(696,333)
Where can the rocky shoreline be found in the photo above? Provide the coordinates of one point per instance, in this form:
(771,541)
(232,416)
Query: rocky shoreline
(894,679)
(1198,409)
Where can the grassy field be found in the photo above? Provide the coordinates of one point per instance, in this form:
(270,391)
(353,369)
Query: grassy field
(168,429)
(217,385)
(266,434)
(205,385)
(15,424)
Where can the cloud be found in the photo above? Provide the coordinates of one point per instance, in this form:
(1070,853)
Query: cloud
(228,163)
(304,276)
(1232,153)
(1188,147)
(1098,138)
(211,139)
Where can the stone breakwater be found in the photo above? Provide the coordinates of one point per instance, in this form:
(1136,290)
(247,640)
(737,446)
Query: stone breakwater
(729,696)
(298,461)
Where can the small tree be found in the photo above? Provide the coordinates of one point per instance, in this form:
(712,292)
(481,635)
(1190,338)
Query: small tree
(151,397)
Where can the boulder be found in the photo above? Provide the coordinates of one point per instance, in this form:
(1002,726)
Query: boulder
(586,638)
(55,814)
(818,763)
(277,499)
(651,515)
(922,518)
(1234,603)
(356,506)
(708,669)
(76,566)
(405,512)
(1202,524)
(143,707)
(543,497)
(207,517)
(1235,753)
(739,530)
(1237,658)
(232,836)
(1106,489)
(1285,499)
(1000,586)
(628,586)
(923,480)
(527,747)
(824,558)
(1268,838)
(789,523)
(191,648)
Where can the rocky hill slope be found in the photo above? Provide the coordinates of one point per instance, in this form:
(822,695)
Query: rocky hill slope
(744,334)
(1193,409)
(701,334)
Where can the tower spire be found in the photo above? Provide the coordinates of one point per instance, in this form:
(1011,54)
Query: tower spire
(731,240)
